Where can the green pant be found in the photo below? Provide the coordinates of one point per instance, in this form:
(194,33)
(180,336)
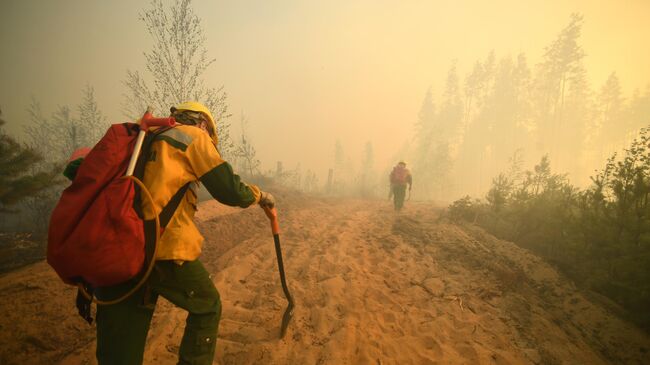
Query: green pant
(399,193)
(122,328)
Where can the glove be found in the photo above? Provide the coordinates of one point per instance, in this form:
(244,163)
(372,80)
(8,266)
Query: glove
(267,200)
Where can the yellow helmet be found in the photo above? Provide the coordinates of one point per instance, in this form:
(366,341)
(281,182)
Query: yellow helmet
(197,107)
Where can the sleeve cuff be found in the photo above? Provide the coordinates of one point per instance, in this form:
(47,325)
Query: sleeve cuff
(257,193)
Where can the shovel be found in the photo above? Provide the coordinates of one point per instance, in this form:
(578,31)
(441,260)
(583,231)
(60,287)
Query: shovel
(275,228)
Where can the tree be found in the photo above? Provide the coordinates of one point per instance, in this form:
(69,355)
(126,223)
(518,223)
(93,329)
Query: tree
(498,195)
(339,155)
(451,110)
(91,119)
(424,129)
(487,76)
(367,174)
(70,135)
(39,130)
(432,160)
(339,181)
(296,177)
(637,115)
(55,138)
(473,86)
(606,131)
(561,96)
(176,65)
(522,104)
(16,181)
(310,182)
(501,122)
(437,138)
(245,153)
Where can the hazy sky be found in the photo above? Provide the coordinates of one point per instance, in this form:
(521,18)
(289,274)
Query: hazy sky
(308,72)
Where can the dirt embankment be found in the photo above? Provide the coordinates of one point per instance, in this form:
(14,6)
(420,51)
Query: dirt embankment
(371,287)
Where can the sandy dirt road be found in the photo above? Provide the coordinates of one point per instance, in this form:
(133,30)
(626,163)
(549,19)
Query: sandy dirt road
(371,287)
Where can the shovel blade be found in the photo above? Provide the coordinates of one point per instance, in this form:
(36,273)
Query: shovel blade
(285,320)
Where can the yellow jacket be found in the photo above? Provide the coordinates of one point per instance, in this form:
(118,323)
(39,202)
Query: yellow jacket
(181,155)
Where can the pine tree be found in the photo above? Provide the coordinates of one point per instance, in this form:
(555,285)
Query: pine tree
(522,104)
(339,183)
(367,175)
(638,113)
(424,131)
(473,87)
(502,118)
(448,137)
(451,110)
(473,159)
(606,133)
(437,139)
(562,97)
(16,181)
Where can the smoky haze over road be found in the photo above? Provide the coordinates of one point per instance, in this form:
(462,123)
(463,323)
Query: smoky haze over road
(309,74)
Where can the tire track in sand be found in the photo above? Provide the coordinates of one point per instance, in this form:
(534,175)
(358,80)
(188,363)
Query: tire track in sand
(352,279)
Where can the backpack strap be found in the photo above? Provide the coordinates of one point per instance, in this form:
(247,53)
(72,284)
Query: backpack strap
(138,172)
(168,211)
(164,217)
(145,152)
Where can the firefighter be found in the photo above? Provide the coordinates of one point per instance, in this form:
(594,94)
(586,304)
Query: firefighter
(184,154)
(399,178)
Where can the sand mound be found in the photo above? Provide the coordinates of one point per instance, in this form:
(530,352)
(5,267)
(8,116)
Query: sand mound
(371,287)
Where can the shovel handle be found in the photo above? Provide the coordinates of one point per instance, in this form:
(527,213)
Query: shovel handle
(275,227)
(272,213)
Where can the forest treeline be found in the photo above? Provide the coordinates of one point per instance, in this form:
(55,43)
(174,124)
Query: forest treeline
(503,106)
(599,236)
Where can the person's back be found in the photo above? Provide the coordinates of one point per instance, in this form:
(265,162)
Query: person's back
(186,154)
(400,175)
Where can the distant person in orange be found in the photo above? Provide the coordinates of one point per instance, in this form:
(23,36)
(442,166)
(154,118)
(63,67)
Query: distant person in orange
(399,178)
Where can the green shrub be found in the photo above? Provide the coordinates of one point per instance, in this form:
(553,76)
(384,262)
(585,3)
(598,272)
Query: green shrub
(600,236)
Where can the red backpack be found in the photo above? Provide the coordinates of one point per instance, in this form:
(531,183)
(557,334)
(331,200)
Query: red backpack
(97,234)
(399,175)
